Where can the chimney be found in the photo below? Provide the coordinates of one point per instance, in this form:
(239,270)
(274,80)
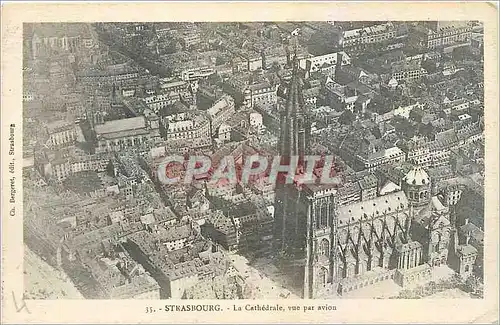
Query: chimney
(466,221)
(467,238)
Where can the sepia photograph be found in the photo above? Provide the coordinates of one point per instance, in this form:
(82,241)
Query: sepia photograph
(398,106)
(265,161)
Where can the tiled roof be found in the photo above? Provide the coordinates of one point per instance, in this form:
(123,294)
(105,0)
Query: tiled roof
(376,207)
(127,124)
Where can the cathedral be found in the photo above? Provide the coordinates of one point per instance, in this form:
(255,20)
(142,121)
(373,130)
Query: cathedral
(328,249)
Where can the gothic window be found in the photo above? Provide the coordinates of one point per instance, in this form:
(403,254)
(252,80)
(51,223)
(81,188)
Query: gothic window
(323,276)
(350,270)
(325,247)
(318,216)
(342,271)
(324,216)
(343,236)
(466,268)
(299,123)
(361,267)
(355,233)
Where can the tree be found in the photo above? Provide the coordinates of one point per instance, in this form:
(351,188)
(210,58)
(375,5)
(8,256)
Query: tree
(323,42)
(275,67)
(347,118)
(416,114)
(219,60)
(474,286)
(403,126)
(461,53)
(430,66)
(110,169)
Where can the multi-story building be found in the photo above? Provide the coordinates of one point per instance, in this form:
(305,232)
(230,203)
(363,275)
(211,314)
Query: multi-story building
(75,107)
(196,73)
(190,38)
(168,86)
(353,96)
(91,163)
(180,269)
(248,60)
(439,34)
(72,37)
(371,161)
(254,228)
(185,127)
(63,167)
(275,56)
(455,105)
(328,249)
(361,37)
(407,71)
(28,96)
(221,229)
(101,78)
(119,134)
(340,97)
(128,92)
(158,102)
(139,287)
(59,169)
(437,152)
(316,63)
(220,111)
(350,192)
(470,133)
(61,133)
(262,94)
(366,153)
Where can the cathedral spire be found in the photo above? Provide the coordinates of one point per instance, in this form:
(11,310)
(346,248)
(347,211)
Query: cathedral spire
(294,98)
(295,124)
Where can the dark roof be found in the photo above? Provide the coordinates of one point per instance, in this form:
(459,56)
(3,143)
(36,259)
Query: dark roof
(474,231)
(242,209)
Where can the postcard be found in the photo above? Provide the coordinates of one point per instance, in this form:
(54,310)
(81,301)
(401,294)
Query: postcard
(250,162)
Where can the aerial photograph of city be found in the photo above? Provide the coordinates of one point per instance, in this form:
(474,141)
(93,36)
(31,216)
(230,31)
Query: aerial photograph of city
(253,160)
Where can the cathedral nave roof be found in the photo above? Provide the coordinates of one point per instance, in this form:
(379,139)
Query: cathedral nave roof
(379,206)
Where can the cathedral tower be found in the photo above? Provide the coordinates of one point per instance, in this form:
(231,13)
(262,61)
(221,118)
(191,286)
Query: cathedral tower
(295,126)
(293,142)
(417,186)
(304,223)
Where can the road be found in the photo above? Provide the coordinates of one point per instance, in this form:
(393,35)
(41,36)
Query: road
(261,282)
(42,281)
